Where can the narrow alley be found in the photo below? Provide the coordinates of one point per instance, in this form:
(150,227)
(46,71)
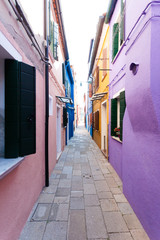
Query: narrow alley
(84,199)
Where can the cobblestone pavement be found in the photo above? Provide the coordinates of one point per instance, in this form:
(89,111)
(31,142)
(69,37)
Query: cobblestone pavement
(84,200)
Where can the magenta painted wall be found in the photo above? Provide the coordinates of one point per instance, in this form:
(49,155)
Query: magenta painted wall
(136,160)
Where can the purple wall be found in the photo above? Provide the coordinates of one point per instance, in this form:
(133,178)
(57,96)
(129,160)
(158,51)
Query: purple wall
(137,159)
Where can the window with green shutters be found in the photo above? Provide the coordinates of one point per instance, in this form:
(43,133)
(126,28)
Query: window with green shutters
(20,109)
(115,43)
(118,31)
(113,116)
(118,106)
(122,110)
(122,22)
(53,34)
(55,41)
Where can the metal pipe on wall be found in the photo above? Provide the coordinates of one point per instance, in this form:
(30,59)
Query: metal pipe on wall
(46,93)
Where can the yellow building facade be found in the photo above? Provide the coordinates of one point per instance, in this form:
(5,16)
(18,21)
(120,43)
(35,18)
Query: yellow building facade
(100,96)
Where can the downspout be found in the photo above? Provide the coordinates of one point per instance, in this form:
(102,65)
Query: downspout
(46,94)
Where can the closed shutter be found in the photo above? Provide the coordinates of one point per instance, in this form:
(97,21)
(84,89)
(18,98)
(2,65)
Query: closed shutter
(63,73)
(55,41)
(50,23)
(51,40)
(90,119)
(104,62)
(12,98)
(90,90)
(65,120)
(93,120)
(122,23)
(27,109)
(97,120)
(97,76)
(20,109)
(113,116)
(115,40)
(122,110)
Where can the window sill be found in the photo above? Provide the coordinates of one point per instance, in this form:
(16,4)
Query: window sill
(8,164)
(117,139)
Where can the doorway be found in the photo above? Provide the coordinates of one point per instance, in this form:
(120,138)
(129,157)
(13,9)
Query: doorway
(58,132)
(104,128)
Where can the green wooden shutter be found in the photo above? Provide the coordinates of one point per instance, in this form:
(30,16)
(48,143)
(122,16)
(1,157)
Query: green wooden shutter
(63,73)
(115,40)
(65,120)
(12,95)
(49,22)
(113,116)
(55,41)
(122,23)
(122,110)
(27,135)
(20,110)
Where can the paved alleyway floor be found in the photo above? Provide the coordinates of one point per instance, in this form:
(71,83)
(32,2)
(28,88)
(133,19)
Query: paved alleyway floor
(84,200)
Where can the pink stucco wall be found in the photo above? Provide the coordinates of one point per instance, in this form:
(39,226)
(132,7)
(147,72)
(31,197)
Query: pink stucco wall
(21,187)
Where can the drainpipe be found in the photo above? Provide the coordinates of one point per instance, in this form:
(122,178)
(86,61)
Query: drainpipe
(46,94)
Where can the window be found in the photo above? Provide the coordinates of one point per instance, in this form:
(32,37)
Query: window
(65,119)
(53,34)
(104,62)
(96,78)
(20,109)
(90,90)
(118,106)
(118,31)
(63,73)
(96,120)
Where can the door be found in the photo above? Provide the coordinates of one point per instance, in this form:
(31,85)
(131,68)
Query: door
(104,127)
(58,131)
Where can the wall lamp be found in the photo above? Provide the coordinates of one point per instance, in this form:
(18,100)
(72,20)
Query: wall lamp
(134,68)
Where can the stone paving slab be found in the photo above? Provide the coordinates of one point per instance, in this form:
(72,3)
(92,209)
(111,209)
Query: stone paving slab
(121,236)
(91,200)
(55,231)
(76,225)
(115,222)
(84,200)
(95,223)
(33,231)
(42,212)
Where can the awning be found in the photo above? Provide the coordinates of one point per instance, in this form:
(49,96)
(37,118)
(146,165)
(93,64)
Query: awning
(65,99)
(98,96)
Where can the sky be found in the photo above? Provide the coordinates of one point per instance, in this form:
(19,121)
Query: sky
(80,23)
(80,19)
